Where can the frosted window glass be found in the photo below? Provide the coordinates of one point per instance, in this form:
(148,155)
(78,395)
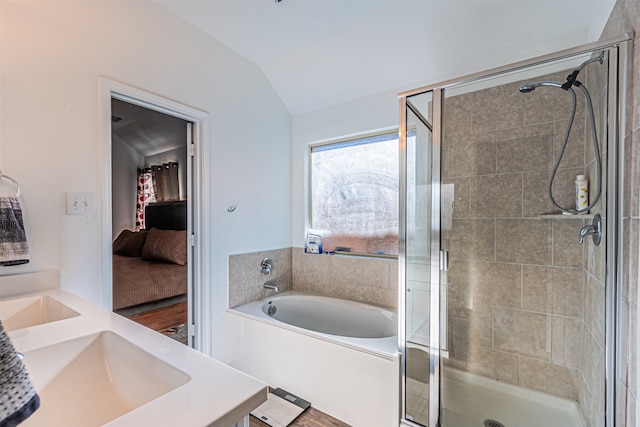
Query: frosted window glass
(354,194)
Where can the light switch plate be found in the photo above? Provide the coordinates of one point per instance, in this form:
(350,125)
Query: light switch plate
(81,203)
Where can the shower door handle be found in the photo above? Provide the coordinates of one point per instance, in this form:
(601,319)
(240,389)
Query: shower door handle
(444,260)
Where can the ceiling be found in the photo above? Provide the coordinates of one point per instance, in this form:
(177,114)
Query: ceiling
(149,132)
(319,53)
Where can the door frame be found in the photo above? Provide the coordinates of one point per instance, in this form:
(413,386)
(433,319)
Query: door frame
(199,296)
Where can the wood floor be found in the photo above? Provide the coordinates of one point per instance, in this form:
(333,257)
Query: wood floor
(163,318)
(309,418)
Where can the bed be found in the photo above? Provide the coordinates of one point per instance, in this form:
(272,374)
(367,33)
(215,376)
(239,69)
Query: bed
(151,265)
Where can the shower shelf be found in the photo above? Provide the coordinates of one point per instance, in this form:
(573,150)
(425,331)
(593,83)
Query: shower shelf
(562,216)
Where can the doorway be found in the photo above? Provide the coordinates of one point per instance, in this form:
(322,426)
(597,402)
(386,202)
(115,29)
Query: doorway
(150,176)
(193,187)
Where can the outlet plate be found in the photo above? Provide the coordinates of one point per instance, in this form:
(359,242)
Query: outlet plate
(81,203)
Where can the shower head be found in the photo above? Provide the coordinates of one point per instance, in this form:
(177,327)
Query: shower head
(531,87)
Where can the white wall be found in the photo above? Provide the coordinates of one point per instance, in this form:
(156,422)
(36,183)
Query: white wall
(52,54)
(360,116)
(125,162)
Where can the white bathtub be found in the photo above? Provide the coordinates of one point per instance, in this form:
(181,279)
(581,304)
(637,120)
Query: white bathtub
(332,316)
(353,378)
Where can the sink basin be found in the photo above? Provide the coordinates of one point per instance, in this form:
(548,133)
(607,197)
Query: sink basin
(26,312)
(94,379)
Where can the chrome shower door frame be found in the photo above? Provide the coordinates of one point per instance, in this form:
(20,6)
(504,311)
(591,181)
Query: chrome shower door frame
(619,52)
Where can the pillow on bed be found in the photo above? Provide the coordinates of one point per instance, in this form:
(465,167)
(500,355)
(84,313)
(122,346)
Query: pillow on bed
(129,243)
(166,246)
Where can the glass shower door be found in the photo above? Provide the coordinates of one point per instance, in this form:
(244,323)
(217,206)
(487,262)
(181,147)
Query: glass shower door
(509,308)
(420,336)
(526,311)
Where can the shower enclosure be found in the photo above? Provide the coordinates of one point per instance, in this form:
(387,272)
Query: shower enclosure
(507,294)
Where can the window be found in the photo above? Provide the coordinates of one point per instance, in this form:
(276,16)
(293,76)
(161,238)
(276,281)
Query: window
(354,194)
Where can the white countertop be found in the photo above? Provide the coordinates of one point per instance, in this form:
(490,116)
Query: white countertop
(215,395)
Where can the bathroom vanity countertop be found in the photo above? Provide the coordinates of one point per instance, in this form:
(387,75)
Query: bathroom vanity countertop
(214,395)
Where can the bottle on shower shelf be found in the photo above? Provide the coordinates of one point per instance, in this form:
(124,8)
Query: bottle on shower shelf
(582,192)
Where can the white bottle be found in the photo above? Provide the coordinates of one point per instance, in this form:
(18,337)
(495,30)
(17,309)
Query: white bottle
(582,192)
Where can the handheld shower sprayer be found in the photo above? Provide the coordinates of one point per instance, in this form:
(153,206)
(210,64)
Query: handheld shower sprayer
(567,86)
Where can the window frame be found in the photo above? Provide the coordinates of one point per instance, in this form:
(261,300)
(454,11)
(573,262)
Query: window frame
(353,137)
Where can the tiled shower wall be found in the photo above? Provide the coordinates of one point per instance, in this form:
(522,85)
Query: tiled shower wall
(519,285)
(625,18)
(368,280)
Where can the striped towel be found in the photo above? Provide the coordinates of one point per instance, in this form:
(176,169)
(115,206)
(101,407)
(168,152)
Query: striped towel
(18,398)
(14,249)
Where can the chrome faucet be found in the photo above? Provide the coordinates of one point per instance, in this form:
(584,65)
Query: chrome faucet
(594,230)
(271,284)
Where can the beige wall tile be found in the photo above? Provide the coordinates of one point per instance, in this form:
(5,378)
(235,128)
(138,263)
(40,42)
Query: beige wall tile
(475,329)
(597,256)
(524,154)
(568,292)
(521,332)
(566,341)
(526,241)
(535,200)
(537,289)
(461,197)
(457,121)
(493,364)
(548,378)
(538,129)
(458,281)
(496,284)
(497,108)
(471,239)
(595,309)
(372,281)
(567,251)
(497,196)
(486,158)
(462,157)
(246,281)
(573,156)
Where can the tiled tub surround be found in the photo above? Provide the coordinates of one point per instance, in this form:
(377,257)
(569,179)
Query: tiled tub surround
(526,301)
(246,282)
(369,280)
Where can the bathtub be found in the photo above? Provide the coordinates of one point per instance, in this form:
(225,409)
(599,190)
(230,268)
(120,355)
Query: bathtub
(342,356)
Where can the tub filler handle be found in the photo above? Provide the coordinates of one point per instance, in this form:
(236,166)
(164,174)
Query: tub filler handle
(266,265)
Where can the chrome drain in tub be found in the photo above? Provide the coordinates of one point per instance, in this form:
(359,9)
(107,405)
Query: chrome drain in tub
(493,423)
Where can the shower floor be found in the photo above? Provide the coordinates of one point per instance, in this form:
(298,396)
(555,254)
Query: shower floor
(470,399)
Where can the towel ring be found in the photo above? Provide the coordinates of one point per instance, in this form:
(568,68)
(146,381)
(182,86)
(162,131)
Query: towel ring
(13,181)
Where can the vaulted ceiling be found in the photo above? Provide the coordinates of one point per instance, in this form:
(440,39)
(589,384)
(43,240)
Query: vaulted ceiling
(318,53)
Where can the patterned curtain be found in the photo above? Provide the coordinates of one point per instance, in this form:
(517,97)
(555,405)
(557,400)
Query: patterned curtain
(146,195)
